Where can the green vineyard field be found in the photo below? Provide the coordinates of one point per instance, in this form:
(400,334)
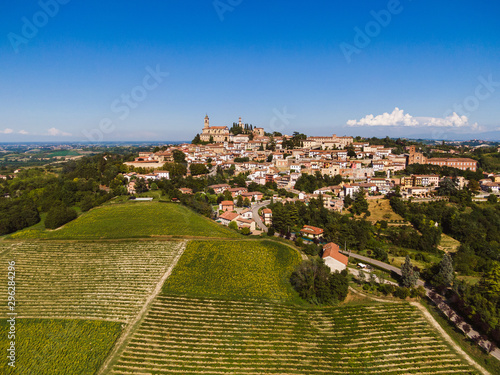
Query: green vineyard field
(58,347)
(182,335)
(133,220)
(106,280)
(235,270)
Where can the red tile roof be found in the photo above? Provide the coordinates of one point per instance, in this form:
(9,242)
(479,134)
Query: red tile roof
(332,250)
(229,215)
(309,229)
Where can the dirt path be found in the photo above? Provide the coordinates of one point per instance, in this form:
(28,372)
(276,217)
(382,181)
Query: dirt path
(130,329)
(447,337)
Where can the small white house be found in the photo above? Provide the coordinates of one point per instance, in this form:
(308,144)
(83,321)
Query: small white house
(333,258)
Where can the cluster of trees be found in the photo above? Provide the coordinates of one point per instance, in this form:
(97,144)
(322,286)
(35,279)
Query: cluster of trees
(316,284)
(38,190)
(296,141)
(310,183)
(480,303)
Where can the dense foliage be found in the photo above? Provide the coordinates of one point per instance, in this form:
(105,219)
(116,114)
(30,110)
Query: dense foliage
(315,283)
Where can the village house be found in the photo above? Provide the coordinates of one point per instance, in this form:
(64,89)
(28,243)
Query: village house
(227,217)
(226,206)
(308,231)
(333,258)
(268,216)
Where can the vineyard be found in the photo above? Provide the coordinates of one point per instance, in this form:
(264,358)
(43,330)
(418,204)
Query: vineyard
(235,270)
(133,220)
(183,335)
(108,281)
(53,347)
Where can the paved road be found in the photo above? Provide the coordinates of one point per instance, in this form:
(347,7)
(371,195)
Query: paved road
(380,264)
(255,214)
(439,301)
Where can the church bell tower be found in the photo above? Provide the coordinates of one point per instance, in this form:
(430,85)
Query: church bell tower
(207,125)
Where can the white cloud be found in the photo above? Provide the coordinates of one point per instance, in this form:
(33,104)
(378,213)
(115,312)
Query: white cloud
(24,132)
(396,118)
(6,131)
(57,132)
(399,118)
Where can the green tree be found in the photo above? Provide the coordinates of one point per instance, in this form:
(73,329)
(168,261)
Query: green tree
(233,225)
(245,231)
(239,201)
(445,274)
(492,198)
(246,202)
(59,215)
(197,169)
(196,140)
(360,204)
(409,276)
(179,156)
(447,187)
(473,185)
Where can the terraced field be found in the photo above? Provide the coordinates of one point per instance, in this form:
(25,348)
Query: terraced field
(106,280)
(58,347)
(182,335)
(133,220)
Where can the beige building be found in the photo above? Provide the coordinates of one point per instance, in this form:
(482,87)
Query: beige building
(217,133)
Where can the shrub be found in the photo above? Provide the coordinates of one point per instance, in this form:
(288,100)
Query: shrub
(401,292)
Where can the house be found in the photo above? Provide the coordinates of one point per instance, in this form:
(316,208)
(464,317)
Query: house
(220,188)
(226,206)
(186,191)
(245,223)
(246,214)
(227,217)
(333,258)
(162,174)
(268,216)
(237,191)
(309,231)
(255,195)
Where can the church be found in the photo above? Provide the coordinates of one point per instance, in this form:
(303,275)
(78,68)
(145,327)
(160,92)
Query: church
(218,133)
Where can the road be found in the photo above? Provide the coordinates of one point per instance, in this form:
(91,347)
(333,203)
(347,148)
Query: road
(379,264)
(255,214)
(436,298)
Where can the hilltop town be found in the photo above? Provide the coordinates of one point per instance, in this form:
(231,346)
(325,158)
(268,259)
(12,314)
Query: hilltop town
(278,161)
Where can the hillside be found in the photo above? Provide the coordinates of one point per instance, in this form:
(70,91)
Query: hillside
(132,220)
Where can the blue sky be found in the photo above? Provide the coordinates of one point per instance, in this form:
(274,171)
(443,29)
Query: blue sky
(74,70)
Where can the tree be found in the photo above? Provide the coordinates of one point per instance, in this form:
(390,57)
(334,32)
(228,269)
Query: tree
(233,225)
(245,231)
(197,169)
(473,185)
(179,156)
(447,187)
(360,204)
(409,276)
(492,198)
(196,140)
(211,139)
(59,215)
(315,283)
(239,201)
(140,185)
(445,275)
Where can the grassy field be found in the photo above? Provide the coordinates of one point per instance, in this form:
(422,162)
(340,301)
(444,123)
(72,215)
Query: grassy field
(235,270)
(182,335)
(448,244)
(132,220)
(52,347)
(108,281)
(380,209)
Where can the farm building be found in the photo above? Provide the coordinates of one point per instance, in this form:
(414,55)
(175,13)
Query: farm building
(333,258)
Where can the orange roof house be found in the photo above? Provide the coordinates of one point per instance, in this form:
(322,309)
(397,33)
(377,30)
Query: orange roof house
(311,232)
(333,258)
